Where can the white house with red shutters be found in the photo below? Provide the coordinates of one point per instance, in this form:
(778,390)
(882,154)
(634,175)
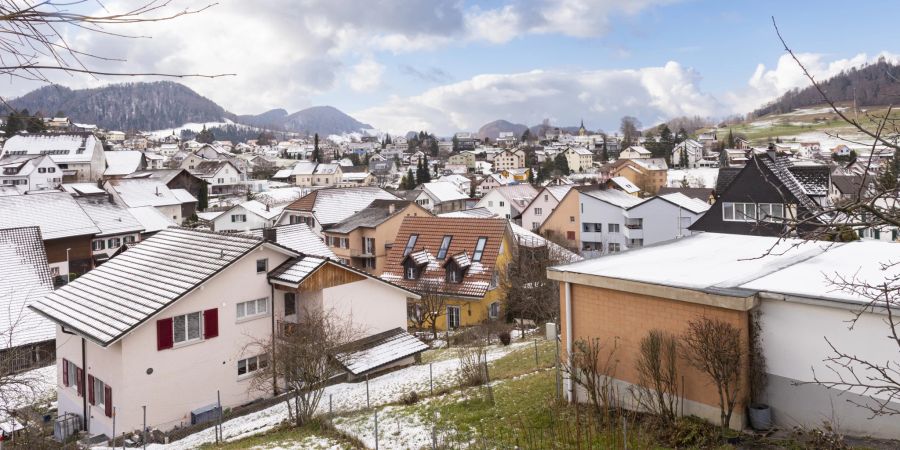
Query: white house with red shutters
(170,322)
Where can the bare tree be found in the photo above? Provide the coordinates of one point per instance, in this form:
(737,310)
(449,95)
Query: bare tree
(426,311)
(714,347)
(529,293)
(303,357)
(657,387)
(593,367)
(875,205)
(630,128)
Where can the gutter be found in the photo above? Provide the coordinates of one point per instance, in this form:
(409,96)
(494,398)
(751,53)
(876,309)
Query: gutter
(84,387)
(569,339)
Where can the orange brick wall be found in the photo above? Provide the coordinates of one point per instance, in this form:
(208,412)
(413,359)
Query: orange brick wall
(626,318)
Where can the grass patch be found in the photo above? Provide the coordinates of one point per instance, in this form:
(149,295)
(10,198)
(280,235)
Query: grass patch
(312,436)
(521,361)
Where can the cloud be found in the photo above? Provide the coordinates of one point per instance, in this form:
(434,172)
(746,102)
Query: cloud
(600,97)
(365,76)
(428,74)
(768,84)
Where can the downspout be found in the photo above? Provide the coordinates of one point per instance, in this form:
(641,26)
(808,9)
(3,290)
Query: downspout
(569,340)
(272,359)
(84,387)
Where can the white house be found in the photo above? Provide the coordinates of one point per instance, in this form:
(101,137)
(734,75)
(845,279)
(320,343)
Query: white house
(661,218)
(31,173)
(328,206)
(635,152)
(508,201)
(138,192)
(687,153)
(117,225)
(170,323)
(542,205)
(223,177)
(249,215)
(441,197)
(579,159)
(603,221)
(80,156)
(509,159)
(491,181)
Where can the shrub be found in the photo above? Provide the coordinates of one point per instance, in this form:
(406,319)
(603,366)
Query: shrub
(505,337)
(411,398)
(471,365)
(690,432)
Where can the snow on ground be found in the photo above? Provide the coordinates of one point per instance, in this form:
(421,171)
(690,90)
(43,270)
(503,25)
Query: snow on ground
(41,387)
(397,428)
(699,177)
(195,127)
(309,443)
(345,397)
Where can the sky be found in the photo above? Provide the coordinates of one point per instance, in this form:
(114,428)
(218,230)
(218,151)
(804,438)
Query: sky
(454,65)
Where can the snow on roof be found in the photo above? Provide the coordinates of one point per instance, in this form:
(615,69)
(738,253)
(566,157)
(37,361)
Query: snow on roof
(528,239)
(110,217)
(327,169)
(107,302)
(581,151)
(443,191)
(614,197)
(625,184)
(300,238)
(260,209)
(56,213)
(651,163)
(639,150)
(689,203)
(146,192)
(151,218)
(83,188)
(62,147)
(480,212)
(560,191)
(24,278)
(280,196)
(282,174)
(295,270)
(720,263)
(122,162)
(370,353)
(210,216)
(332,205)
(183,196)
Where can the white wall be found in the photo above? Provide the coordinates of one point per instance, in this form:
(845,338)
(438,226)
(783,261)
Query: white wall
(185,378)
(492,200)
(254,221)
(662,221)
(596,211)
(547,203)
(372,306)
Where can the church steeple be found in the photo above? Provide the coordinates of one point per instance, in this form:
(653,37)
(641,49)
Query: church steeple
(582,131)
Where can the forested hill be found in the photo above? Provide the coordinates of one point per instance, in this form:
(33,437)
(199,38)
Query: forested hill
(870,85)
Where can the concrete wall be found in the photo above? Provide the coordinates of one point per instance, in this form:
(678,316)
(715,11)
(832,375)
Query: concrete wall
(793,337)
(662,221)
(596,211)
(547,203)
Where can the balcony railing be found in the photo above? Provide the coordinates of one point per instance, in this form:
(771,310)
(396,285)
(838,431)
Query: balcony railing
(634,226)
(364,253)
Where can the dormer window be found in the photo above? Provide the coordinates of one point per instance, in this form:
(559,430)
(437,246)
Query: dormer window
(445,244)
(411,273)
(454,275)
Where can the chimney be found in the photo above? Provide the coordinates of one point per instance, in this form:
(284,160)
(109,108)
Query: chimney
(391,208)
(270,234)
(771,151)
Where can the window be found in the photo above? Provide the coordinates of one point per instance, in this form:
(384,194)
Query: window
(739,212)
(570,235)
(99,392)
(290,303)
(410,244)
(535,225)
(490,203)
(453,317)
(51,169)
(42,170)
(114,242)
(220,181)
(252,364)
(369,263)
(410,273)
(253,308)
(98,244)
(613,247)
(494,310)
(479,249)
(538,211)
(186,328)
(771,212)
(262,265)
(445,244)
(239,218)
(128,239)
(502,204)
(613,228)
(572,219)
(546,197)
(453,275)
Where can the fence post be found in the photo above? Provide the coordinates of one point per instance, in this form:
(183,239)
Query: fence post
(113,442)
(376,429)
(368,405)
(330,411)
(431,377)
(123,441)
(537,363)
(558,376)
(144,430)
(219,432)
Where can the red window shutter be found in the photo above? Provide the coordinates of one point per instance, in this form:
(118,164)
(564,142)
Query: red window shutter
(210,323)
(79,381)
(65,372)
(107,407)
(570,235)
(164,334)
(91,390)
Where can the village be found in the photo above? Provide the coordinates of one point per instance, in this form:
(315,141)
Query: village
(538,227)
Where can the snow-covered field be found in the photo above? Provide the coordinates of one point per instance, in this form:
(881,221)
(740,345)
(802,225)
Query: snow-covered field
(345,397)
(195,127)
(700,177)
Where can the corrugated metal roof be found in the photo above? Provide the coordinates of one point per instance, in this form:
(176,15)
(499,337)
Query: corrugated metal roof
(370,353)
(56,213)
(61,147)
(107,302)
(110,217)
(24,278)
(299,238)
(295,270)
(332,205)
(122,162)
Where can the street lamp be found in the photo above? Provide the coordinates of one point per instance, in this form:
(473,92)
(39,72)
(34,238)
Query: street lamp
(68,269)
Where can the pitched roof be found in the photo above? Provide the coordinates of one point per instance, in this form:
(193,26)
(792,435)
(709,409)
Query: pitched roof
(24,278)
(110,217)
(698,193)
(430,233)
(625,184)
(480,212)
(518,195)
(689,203)
(166,175)
(443,191)
(210,167)
(106,303)
(373,215)
(145,192)
(813,179)
(779,165)
(122,162)
(332,205)
(62,147)
(725,177)
(300,238)
(613,197)
(56,213)
(370,353)
(295,270)
(559,191)
(151,219)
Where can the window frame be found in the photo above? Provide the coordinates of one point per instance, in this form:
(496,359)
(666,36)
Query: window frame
(241,308)
(187,339)
(410,244)
(290,298)
(258,362)
(491,310)
(478,252)
(613,228)
(450,316)
(265,262)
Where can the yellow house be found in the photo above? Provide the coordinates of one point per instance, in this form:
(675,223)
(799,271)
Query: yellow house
(520,175)
(463,158)
(453,262)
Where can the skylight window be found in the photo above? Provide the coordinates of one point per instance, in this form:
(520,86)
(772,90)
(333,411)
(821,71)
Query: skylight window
(445,244)
(479,249)
(410,244)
